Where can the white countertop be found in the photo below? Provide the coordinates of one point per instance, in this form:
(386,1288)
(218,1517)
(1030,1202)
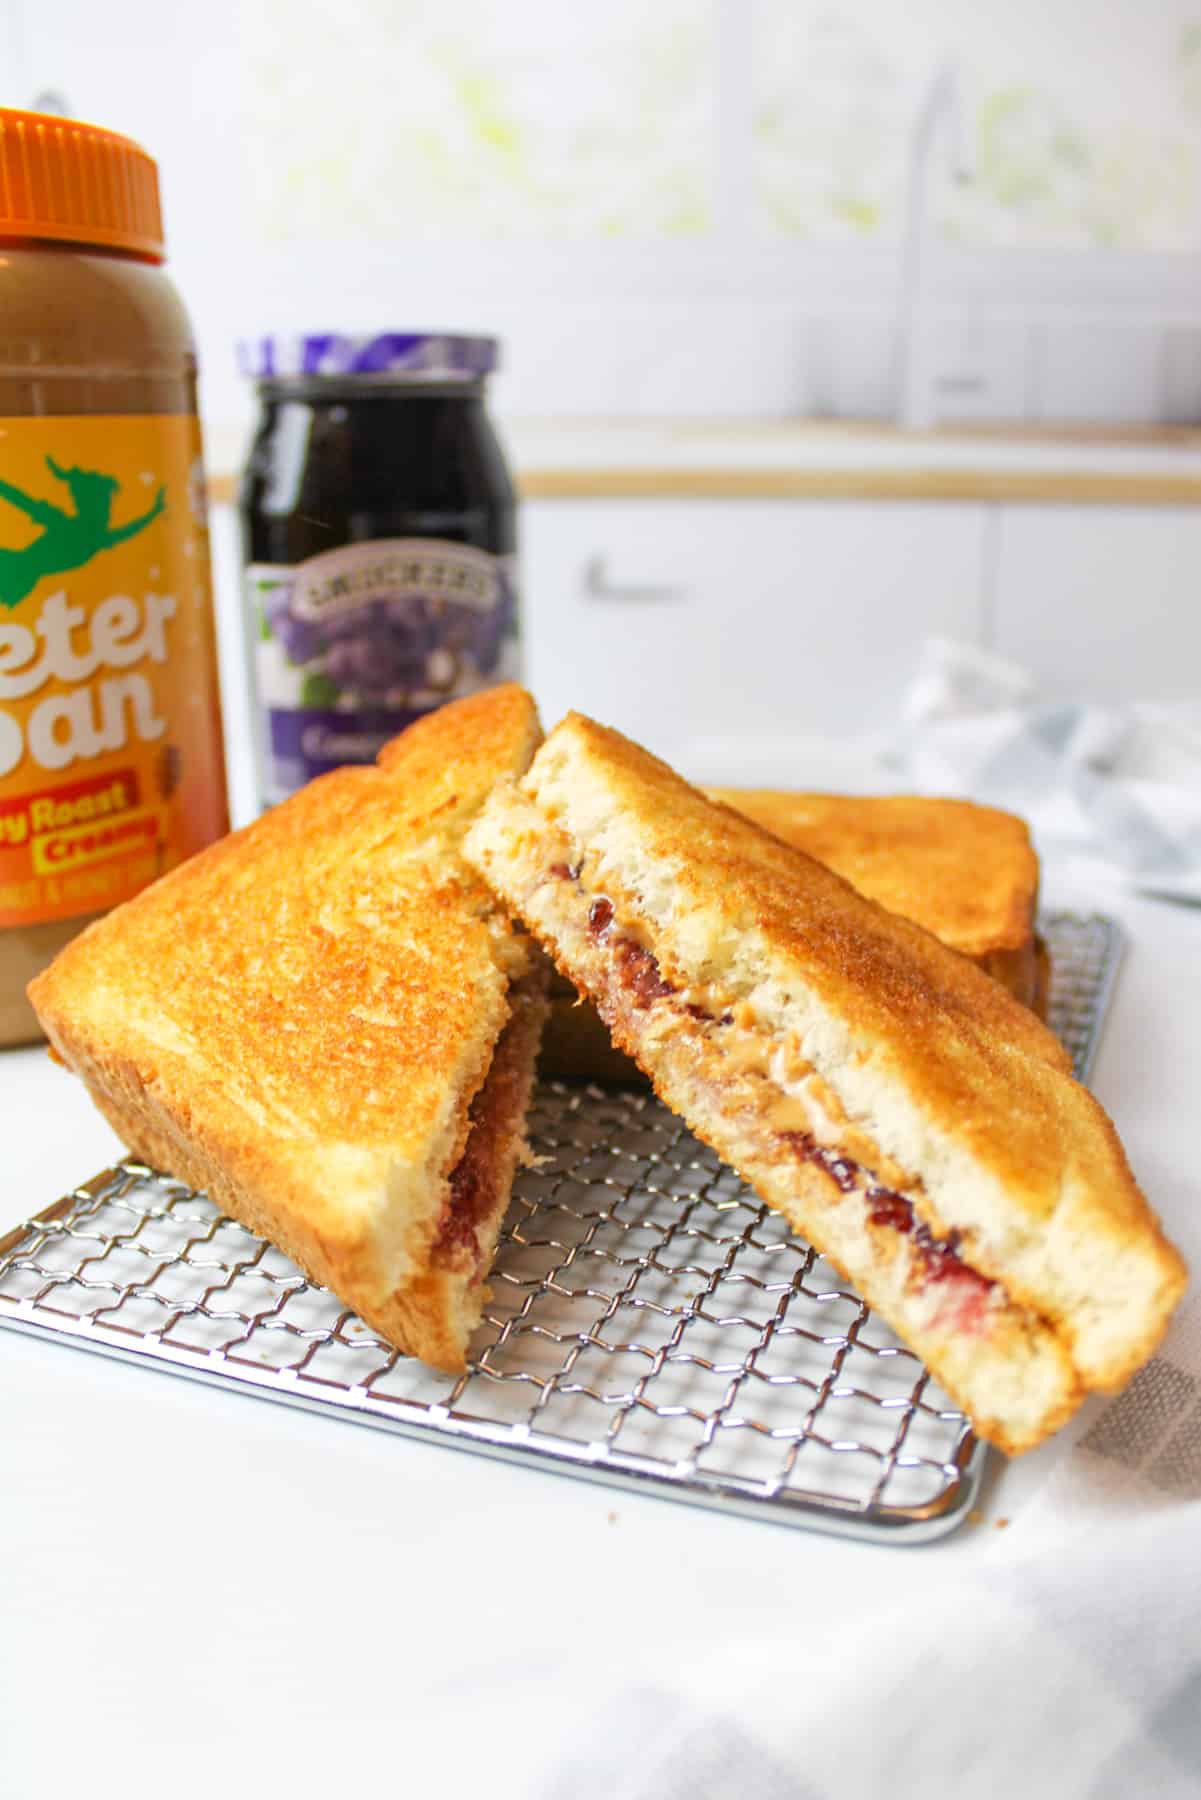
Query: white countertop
(205,1594)
(809,444)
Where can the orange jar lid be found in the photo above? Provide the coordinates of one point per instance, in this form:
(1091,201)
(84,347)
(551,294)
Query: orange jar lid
(63,180)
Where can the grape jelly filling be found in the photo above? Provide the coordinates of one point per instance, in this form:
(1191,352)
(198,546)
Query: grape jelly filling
(638,973)
(471,1195)
(940,1256)
(637,968)
(600,916)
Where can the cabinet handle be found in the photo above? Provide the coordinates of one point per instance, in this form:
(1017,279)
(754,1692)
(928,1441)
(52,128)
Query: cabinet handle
(598,586)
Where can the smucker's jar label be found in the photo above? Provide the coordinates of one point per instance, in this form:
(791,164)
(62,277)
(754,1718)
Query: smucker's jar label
(110,728)
(354,644)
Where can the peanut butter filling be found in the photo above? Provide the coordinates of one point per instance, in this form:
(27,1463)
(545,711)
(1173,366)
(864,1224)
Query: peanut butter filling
(794,1114)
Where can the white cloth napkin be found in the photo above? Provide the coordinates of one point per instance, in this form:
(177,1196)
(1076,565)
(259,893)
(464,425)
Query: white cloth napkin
(1115,789)
(1058,1657)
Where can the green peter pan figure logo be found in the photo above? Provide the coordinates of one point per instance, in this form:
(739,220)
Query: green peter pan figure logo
(68,539)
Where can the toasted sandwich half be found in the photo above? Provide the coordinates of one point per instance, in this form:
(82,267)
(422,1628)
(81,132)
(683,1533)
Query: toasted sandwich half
(326,1022)
(900,1108)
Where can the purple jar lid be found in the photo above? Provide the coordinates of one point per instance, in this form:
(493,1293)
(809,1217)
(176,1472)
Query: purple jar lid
(429,355)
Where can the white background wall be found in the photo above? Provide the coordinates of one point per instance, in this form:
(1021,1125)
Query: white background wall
(662,214)
(686,208)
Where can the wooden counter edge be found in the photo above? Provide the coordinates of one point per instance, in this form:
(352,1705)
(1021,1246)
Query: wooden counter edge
(999,486)
(1069,487)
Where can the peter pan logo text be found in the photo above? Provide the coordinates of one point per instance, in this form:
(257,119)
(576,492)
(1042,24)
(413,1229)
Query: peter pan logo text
(67,540)
(67,646)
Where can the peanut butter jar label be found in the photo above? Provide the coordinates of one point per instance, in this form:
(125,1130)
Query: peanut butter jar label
(111,764)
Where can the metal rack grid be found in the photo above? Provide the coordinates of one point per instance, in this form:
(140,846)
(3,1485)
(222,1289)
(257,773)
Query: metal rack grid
(651,1324)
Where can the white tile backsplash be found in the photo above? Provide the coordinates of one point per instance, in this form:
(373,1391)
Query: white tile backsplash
(853,367)
(1182,375)
(653,360)
(1098,374)
(1018,368)
(981,369)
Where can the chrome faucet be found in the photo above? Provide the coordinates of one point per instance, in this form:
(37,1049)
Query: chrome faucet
(940,124)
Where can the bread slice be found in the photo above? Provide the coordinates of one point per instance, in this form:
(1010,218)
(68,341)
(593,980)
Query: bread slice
(899,1107)
(326,1022)
(967,873)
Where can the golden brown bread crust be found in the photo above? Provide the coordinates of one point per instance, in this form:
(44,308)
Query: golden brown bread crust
(959,1086)
(967,873)
(299,1017)
(446,763)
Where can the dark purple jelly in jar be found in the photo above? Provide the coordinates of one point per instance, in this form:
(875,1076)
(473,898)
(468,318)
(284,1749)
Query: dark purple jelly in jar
(379,534)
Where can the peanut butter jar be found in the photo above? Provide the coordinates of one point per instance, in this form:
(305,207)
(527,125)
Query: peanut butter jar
(111,762)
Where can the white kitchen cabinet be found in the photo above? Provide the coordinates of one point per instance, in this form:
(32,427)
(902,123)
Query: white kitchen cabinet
(1101,602)
(729,633)
(719,632)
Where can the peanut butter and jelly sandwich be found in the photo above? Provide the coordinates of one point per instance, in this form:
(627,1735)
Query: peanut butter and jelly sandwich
(327,1023)
(899,1107)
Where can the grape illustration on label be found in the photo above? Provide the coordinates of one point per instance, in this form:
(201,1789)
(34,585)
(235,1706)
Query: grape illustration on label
(354,644)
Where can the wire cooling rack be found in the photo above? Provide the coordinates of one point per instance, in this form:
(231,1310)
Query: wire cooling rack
(651,1324)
